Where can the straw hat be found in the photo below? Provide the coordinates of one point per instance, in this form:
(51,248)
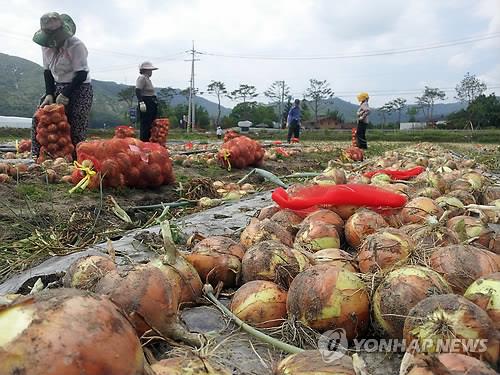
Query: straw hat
(54,29)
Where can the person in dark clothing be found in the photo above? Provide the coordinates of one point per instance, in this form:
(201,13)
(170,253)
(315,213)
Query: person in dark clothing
(293,121)
(363,112)
(146,96)
(66,74)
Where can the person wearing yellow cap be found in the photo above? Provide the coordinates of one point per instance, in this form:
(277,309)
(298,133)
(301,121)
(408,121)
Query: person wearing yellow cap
(363,112)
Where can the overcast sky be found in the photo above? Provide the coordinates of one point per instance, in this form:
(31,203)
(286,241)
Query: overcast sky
(251,36)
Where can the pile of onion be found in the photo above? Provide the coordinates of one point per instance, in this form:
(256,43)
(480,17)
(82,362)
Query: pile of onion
(361,224)
(446,363)
(399,292)
(260,303)
(461,265)
(311,362)
(272,261)
(449,317)
(262,230)
(191,364)
(85,272)
(217,259)
(419,209)
(324,297)
(67,331)
(317,235)
(384,249)
(335,258)
(159,131)
(485,292)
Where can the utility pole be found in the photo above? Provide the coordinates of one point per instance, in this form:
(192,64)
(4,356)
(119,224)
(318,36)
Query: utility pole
(191,103)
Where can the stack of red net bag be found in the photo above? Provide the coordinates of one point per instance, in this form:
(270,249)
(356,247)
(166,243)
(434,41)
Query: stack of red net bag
(124,131)
(123,162)
(159,131)
(53,133)
(230,134)
(24,145)
(240,152)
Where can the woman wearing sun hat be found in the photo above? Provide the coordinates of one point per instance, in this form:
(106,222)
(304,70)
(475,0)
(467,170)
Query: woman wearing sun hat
(362,114)
(66,73)
(146,96)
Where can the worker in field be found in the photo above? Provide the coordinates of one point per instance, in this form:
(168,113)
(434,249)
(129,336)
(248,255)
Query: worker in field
(66,74)
(293,121)
(146,96)
(219,132)
(363,112)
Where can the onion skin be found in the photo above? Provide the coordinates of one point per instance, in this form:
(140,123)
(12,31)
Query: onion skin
(447,364)
(419,209)
(335,258)
(399,292)
(288,220)
(272,261)
(260,303)
(326,216)
(317,235)
(361,224)
(217,259)
(461,265)
(485,292)
(426,236)
(324,297)
(450,316)
(311,362)
(70,332)
(263,230)
(188,365)
(384,249)
(267,212)
(85,272)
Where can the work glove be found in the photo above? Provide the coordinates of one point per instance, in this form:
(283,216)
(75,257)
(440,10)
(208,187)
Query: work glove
(61,99)
(49,99)
(142,106)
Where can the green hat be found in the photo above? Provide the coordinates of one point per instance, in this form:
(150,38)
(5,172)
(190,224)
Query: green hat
(54,29)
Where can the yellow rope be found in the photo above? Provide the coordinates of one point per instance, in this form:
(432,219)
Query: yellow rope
(84,182)
(226,154)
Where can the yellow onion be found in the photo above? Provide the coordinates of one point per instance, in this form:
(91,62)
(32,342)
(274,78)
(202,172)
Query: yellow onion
(345,211)
(428,236)
(485,292)
(398,188)
(4,177)
(431,179)
(335,258)
(70,332)
(381,179)
(149,299)
(461,184)
(324,297)
(461,265)
(190,365)
(384,249)
(85,272)
(260,303)
(361,224)
(324,180)
(465,197)
(447,363)
(337,174)
(217,259)
(475,179)
(419,209)
(452,205)
(472,230)
(272,261)
(288,220)
(317,235)
(490,194)
(311,362)
(399,292)
(267,212)
(451,317)
(263,230)
(326,216)
(429,192)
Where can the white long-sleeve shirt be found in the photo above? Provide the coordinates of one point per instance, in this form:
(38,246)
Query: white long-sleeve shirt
(363,112)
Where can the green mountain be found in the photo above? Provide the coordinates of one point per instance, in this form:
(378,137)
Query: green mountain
(22,86)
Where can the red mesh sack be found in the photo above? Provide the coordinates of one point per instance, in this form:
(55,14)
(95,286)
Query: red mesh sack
(159,131)
(24,145)
(240,152)
(53,133)
(124,131)
(230,134)
(354,153)
(124,162)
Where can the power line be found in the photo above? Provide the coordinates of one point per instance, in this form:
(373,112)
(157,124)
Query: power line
(365,54)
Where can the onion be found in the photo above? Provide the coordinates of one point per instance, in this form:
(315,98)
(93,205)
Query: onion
(461,265)
(85,272)
(317,235)
(260,303)
(188,365)
(149,299)
(431,179)
(475,179)
(400,290)
(267,212)
(429,192)
(345,211)
(272,261)
(288,220)
(67,331)
(335,258)
(452,205)
(217,259)
(324,297)
(461,184)
(447,363)
(326,216)
(262,230)
(490,194)
(311,362)
(447,317)
(361,224)
(4,177)
(472,230)
(485,292)
(428,236)
(381,179)
(383,249)
(337,174)
(419,209)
